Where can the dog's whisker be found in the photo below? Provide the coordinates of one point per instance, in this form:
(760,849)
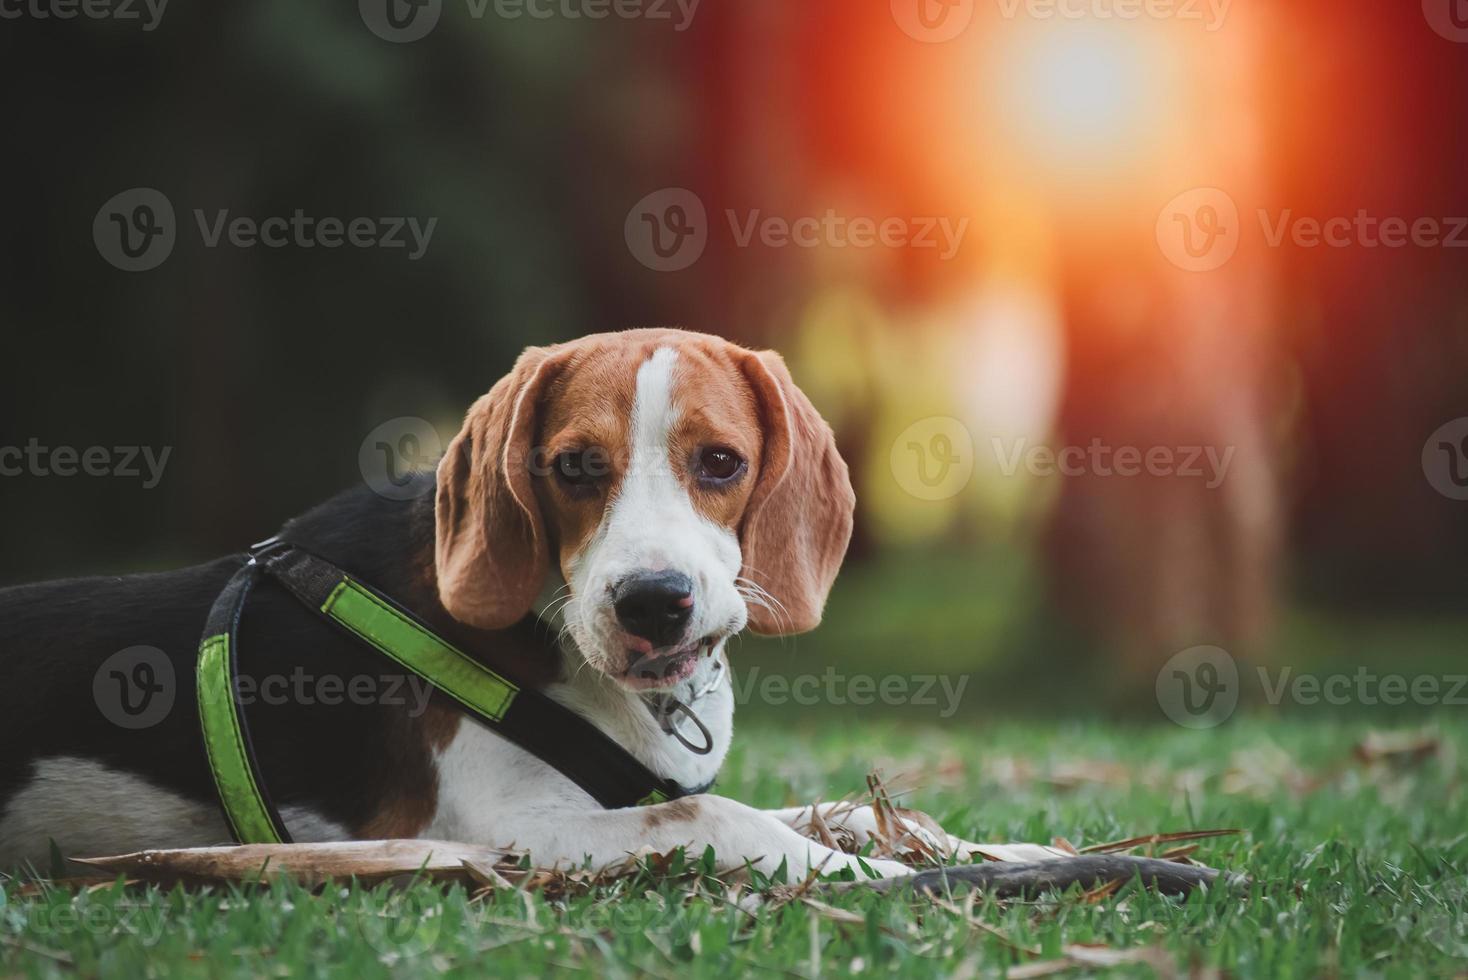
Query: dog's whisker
(756,594)
(757,589)
(556,607)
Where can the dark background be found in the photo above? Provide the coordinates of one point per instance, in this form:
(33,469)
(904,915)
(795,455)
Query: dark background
(530,140)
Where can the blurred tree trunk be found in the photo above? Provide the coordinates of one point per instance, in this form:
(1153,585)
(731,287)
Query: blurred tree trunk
(1162,356)
(1156,563)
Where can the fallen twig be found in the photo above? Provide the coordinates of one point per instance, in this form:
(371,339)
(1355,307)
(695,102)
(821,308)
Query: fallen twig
(1013,879)
(369,861)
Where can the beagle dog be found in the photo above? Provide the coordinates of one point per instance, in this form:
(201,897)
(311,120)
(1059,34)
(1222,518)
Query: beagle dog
(611,513)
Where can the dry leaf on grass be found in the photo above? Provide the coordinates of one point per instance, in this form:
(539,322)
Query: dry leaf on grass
(844,916)
(1086,956)
(1101,893)
(1149,840)
(893,839)
(1398,748)
(488,879)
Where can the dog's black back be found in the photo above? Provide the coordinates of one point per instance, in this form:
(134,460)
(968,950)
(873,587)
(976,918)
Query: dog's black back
(341,760)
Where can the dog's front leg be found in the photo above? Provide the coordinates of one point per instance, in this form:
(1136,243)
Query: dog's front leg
(737,834)
(858,823)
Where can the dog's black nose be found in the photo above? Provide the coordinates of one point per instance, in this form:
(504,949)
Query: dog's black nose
(654,605)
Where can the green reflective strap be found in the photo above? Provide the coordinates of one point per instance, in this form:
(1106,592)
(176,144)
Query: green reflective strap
(445,667)
(655,797)
(225,746)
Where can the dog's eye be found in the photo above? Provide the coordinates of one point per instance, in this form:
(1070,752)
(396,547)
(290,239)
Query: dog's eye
(718,464)
(579,469)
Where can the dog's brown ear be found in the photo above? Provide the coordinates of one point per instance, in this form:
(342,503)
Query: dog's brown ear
(491,550)
(798,521)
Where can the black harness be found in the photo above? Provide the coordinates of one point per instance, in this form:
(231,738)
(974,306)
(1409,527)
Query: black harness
(553,733)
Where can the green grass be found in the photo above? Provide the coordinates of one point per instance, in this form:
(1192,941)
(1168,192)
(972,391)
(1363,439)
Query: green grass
(1360,870)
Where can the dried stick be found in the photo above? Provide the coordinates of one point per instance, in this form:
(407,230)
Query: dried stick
(1015,879)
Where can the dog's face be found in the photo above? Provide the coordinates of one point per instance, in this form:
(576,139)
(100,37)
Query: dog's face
(682,486)
(648,476)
